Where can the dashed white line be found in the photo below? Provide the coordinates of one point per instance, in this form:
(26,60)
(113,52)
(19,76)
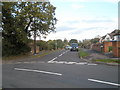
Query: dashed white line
(60,55)
(46,72)
(104,82)
(52,59)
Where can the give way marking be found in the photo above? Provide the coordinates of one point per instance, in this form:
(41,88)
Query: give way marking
(104,82)
(30,70)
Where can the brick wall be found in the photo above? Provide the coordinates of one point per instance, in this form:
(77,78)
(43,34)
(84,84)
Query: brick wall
(116,48)
(106,46)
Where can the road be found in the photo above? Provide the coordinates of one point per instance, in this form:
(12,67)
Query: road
(61,69)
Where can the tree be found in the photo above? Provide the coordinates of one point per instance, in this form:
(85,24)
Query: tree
(65,42)
(73,41)
(60,43)
(18,17)
(51,44)
(39,16)
(95,40)
(86,43)
(42,45)
(13,37)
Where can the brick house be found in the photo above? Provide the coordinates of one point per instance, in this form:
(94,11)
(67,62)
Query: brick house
(116,48)
(109,43)
(116,44)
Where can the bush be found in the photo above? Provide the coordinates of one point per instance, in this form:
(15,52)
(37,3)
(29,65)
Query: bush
(8,50)
(110,48)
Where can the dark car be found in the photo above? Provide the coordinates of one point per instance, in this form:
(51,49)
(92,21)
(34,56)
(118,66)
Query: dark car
(74,47)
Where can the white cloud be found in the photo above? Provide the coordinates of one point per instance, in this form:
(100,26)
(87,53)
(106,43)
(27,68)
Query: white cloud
(77,6)
(74,25)
(113,1)
(83,30)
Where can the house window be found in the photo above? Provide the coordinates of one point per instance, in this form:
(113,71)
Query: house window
(117,38)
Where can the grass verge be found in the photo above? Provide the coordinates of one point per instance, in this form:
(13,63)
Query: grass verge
(43,54)
(17,57)
(109,60)
(82,53)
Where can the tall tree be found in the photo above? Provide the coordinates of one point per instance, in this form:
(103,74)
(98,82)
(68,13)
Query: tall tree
(73,41)
(21,20)
(60,43)
(65,41)
(14,38)
(41,19)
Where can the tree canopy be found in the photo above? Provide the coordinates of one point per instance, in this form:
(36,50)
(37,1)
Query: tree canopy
(21,20)
(73,41)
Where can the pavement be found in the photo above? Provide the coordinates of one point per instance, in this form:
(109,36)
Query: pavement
(61,69)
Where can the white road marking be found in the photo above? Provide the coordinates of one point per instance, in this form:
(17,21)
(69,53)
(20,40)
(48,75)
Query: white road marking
(104,82)
(60,55)
(70,62)
(81,63)
(65,62)
(52,59)
(37,71)
(58,62)
(63,53)
(91,64)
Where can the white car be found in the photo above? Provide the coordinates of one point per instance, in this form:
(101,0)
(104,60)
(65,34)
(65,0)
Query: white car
(68,47)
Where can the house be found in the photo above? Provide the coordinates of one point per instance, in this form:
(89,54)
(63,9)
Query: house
(116,43)
(116,35)
(109,43)
(107,37)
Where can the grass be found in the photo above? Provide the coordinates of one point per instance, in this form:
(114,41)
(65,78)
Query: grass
(82,53)
(17,57)
(109,60)
(43,54)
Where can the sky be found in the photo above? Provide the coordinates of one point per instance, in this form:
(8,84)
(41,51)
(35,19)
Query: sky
(84,19)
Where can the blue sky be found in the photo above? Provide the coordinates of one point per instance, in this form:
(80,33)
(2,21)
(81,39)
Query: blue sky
(84,19)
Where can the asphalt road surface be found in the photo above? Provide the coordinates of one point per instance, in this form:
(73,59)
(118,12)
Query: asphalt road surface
(62,69)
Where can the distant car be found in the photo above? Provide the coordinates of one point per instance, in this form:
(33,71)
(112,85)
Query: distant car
(74,47)
(68,47)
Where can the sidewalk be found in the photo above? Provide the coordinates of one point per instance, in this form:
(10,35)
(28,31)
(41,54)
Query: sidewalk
(97,55)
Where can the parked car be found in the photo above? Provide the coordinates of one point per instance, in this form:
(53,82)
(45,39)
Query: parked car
(68,47)
(74,47)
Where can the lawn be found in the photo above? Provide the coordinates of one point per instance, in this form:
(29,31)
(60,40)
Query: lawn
(82,53)
(109,60)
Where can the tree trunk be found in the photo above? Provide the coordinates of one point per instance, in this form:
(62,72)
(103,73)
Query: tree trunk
(34,41)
